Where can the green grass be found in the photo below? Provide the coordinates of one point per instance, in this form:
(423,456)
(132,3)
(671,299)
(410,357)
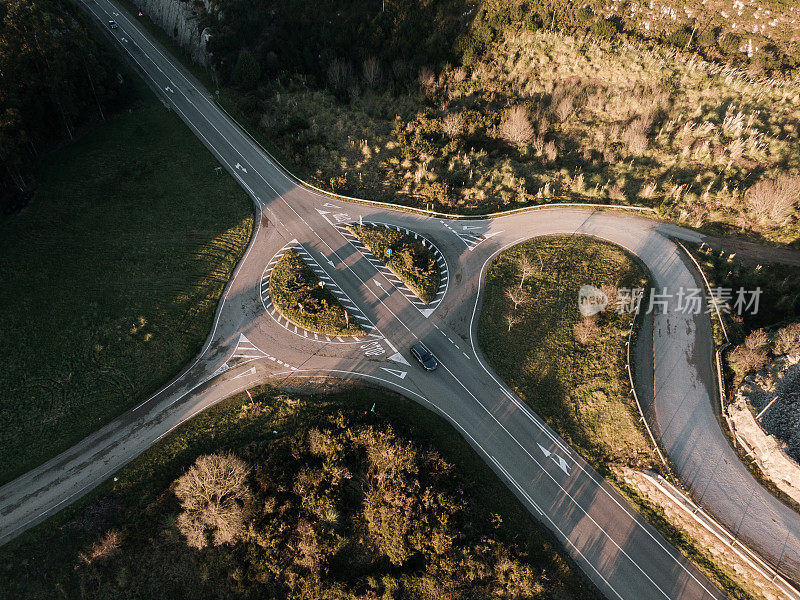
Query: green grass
(582,391)
(292,284)
(45,562)
(110,277)
(407,257)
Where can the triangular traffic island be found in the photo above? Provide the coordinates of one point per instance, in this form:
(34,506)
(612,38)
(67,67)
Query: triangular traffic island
(302,298)
(405,254)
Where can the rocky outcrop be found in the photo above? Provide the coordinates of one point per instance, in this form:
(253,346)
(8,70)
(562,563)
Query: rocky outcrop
(774,441)
(181,20)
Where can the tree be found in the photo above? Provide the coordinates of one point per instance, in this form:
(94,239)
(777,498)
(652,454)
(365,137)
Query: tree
(515,127)
(212,493)
(528,268)
(511,320)
(247,71)
(372,72)
(517,296)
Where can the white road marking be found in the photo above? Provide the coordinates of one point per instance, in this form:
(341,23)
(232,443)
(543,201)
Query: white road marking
(396,372)
(545,451)
(250,371)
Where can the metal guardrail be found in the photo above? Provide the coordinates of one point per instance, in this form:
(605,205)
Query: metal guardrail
(767,571)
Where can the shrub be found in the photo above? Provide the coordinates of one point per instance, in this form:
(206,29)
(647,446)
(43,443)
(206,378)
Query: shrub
(247,70)
(516,126)
(293,284)
(372,72)
(586,331)
(787,340)
(211,494)
(453,125)
(680,38)
(773,200)
(729,43)
(605,28)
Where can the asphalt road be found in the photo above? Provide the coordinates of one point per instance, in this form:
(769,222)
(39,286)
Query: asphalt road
(617,549)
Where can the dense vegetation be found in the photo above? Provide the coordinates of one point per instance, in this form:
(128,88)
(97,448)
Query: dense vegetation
(111,277)
(296,293)
(54,79)
(529,110)
(406,256)
(306,497)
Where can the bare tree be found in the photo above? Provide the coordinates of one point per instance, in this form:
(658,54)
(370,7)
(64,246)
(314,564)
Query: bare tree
(773,200)
(511,320)
(515,127)
(339,74)
(453,124)
(586,331)
(528,268)
(211,493)
(517,296)
(372,72)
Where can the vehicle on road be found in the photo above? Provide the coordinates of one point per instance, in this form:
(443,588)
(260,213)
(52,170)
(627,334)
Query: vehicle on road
(113,24)
(424,356)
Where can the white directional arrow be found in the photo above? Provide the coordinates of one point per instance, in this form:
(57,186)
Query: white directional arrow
(329,205)
(124,41)
(241,168)
(379,284)
(250,371)
(395,372)
(562,464)
(330,262)
(546,452)
(169,89)
(470,227)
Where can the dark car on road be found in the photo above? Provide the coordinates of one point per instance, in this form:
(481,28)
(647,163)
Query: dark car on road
(424,356)
(113,24)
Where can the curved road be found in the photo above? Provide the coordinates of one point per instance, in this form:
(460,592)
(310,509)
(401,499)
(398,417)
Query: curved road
(617,549)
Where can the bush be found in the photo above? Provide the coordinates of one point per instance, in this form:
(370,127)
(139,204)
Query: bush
(773,200)
(751,355)
(247,70)
(516,126)
(787,340)
(605,28)
(586,331)
(211,494)
(412,262)
(293,284)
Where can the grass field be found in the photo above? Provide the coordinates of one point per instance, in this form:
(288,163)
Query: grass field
(293,284)
(406,256)
(574,376)
(50,560)
(110,277)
